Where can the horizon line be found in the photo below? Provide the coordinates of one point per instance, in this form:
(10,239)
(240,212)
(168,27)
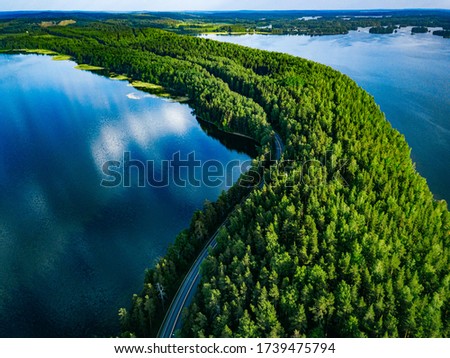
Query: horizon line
(231,10)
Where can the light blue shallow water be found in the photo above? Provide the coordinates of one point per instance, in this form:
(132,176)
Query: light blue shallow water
(71,251)
(409,76)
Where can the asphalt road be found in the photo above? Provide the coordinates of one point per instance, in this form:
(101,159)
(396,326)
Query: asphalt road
(185,294)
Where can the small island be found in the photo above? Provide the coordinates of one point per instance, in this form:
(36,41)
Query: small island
(444,33)
(382,30)
(419,30)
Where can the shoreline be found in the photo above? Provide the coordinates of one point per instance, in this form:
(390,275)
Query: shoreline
(151,88)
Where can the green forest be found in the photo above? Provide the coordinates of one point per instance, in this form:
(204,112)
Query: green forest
(293,22)
(344,240)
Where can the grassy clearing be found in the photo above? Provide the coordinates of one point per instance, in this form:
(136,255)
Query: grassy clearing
(147,85)
(61,58)
(55,56)
(151,88)
(47,23)
(54,23)
(66,22)
(180,99)
(38,51)
(118,77)
(85,67)
(157,90)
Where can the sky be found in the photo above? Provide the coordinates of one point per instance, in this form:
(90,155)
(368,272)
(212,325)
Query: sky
(179,5)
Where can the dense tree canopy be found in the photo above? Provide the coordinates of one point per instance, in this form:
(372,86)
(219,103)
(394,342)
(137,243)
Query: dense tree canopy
(344,240)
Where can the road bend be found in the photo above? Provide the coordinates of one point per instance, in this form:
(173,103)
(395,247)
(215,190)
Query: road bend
(187,289)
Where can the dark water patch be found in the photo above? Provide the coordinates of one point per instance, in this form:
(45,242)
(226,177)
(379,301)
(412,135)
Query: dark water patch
(71,251)
(232,141)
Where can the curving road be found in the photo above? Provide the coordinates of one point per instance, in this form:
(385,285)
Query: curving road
(279,147)
(186,291)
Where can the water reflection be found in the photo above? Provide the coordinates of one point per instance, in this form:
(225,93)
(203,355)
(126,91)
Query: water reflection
(72,252)
(230,140)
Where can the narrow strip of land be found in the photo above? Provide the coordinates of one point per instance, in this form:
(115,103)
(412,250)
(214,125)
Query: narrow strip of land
(183,297)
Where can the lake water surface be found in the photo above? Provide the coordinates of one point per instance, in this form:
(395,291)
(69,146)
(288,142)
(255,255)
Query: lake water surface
(73,252)
(409,76)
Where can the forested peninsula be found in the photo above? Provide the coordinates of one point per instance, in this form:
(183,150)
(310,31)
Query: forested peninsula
(343,240)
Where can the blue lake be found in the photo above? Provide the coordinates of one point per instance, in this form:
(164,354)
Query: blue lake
(408,75)
(71,251)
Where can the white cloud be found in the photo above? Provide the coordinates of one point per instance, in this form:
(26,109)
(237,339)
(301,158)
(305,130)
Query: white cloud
(110,145)
(137,95)
(170,119)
